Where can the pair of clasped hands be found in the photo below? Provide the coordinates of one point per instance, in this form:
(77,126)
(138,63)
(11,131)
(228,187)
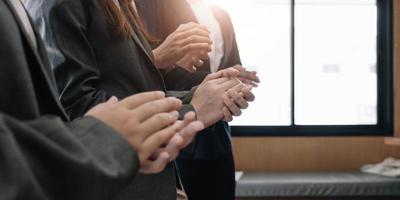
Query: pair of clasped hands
(149,121)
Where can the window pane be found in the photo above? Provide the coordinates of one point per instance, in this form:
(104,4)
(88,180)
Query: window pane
(335,62)
(263,34)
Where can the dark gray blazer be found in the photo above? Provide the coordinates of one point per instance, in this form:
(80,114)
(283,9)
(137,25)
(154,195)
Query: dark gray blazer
(42,156)
(162,17)
(98,63)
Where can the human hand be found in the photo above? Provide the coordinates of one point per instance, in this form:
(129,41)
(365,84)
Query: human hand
(189,43)
(191,61)
(237,100)
(249,78)
(190,128)
(146,121)
(208,99)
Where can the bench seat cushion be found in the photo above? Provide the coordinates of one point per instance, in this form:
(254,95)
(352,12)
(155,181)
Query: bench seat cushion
(326,184)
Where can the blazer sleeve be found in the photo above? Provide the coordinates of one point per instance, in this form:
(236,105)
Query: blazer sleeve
(49,159)
(186,98)
(78,76)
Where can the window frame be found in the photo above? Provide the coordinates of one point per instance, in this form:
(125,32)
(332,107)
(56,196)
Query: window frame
(385,101)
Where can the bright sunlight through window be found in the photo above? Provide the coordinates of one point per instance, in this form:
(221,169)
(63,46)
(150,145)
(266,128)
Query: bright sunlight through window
(335,48)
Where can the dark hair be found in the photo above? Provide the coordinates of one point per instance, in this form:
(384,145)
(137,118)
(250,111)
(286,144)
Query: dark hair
(121,17)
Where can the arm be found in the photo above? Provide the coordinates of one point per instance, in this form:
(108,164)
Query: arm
(49,159)
(186,79)
(78,76)
(186,98)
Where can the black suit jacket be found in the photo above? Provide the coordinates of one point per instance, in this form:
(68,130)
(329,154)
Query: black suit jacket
(42,156)
(97,64)
(162,17)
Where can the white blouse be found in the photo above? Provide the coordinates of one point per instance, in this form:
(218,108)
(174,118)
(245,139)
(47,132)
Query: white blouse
(205,17)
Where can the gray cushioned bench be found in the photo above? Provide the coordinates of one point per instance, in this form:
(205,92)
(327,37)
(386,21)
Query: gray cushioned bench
(329,184)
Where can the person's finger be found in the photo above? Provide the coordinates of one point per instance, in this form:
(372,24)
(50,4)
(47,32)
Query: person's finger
(134,101)
(229,72)
(248,82)
(196,39)
(160,121)
(219,81)
(213,76)
(233,108)
(113,100)
(194,29)
(238,99)
(230,84)
(237,88)
(239,68)
(248,95)
(251,76)
(160,138)
(189,132)
(195,47)
(158,106)
(185,63)
(227,114)
(189,117)
(185,136)
(197,62)
(246,75)
(189,68)
(191,25)
(174,146)
(204,55)
(156,166)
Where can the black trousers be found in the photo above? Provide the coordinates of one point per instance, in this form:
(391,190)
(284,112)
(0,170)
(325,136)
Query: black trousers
(208,179)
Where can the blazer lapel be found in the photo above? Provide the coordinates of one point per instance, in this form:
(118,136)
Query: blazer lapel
(39,56)
(21,26)
(140,39)
(136,35)
(225,33)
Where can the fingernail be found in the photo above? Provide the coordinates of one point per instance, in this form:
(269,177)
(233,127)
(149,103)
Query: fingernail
(113,99)
(161,93)
(175,114)
(173,98)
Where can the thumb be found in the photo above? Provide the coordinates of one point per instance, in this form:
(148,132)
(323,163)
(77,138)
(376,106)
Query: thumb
(113,100)
(230,72)
(213,76)
(153,167)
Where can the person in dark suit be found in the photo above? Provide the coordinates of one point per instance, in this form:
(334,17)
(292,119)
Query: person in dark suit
(208,172)
(105,53)
(46,156)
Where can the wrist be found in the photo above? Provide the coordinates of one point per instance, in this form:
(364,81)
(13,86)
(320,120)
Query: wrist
(159,60)
(197,111)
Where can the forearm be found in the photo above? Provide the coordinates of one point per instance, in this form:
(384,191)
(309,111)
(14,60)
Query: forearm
(184,96)
(48,159)
(79,103)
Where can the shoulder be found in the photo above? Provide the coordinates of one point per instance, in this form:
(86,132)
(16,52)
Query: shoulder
(222,17)
(76,11)
(217,10)
(74,6)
